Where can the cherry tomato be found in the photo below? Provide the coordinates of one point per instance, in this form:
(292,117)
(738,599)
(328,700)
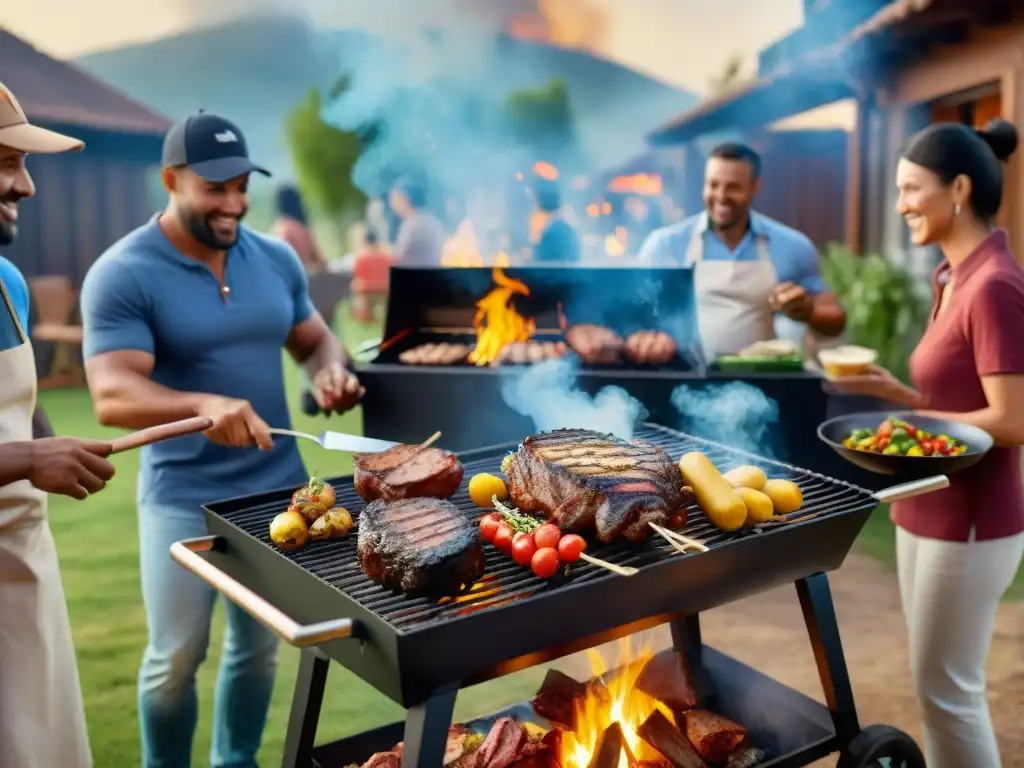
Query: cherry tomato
(882,443)
(570,547)
(547,536)
(523,549)
(545,563)
(489,525)
(885,428)
(927,447)
(946,449)
(911,432)
(939,443)
(503,538)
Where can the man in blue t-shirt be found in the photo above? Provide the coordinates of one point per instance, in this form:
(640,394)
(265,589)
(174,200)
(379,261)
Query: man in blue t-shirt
(187,316)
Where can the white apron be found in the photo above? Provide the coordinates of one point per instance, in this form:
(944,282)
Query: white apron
(733,308)
(42,720)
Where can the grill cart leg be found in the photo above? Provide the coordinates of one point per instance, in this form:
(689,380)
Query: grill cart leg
(426,730)
(820,617)
(305,714)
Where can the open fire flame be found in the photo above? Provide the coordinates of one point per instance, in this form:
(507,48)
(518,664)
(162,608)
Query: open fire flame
(497,322)
(619,701)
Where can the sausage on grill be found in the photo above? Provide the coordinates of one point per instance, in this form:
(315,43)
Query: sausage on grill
(595,344)
(444,353)
(650,348)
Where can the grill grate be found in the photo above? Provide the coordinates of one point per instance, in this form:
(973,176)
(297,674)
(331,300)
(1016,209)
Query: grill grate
(335,562)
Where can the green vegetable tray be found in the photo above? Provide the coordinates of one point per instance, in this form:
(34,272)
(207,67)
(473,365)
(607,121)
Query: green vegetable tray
(770,364)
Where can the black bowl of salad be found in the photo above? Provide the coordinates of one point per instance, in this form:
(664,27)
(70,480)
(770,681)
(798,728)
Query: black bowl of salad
(905,444)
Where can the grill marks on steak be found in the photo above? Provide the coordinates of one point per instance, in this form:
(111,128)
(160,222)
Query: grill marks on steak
(407,471)
(419,546)
(583,480)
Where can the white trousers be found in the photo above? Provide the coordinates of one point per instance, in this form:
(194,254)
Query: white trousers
(950,593)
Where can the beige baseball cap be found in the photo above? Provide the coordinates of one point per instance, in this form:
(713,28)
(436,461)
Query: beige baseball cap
(17,133)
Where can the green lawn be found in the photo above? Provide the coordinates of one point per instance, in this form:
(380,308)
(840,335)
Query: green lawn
(99,556)
(97,540)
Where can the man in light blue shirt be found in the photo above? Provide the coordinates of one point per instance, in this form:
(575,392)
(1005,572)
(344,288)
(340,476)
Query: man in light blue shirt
(748,268)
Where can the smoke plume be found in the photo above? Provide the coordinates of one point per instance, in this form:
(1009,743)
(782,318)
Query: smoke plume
(735,414)
(547,394)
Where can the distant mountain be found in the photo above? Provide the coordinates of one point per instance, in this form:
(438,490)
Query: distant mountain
(255,71)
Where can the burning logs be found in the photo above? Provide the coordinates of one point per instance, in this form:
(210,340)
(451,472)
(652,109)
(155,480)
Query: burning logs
(642,715)
(661,734)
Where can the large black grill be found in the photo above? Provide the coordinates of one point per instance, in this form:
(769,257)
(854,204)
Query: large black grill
(420,652)
(423,643)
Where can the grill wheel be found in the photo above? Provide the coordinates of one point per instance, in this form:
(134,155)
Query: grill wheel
(881,746)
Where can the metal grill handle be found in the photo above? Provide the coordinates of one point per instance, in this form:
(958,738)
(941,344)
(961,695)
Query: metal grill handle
(186,553)
(913,488)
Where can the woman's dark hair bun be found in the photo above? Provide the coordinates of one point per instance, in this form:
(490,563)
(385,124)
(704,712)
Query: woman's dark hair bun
(1001,136)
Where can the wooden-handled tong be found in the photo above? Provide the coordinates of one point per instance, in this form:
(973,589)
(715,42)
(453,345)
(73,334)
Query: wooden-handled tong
(160,432)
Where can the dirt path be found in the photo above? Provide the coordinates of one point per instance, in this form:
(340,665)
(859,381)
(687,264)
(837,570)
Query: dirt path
(875,642)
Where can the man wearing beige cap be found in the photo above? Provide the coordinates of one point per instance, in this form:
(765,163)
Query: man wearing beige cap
(42,721)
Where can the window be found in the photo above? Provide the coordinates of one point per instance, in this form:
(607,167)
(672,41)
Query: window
(975,107)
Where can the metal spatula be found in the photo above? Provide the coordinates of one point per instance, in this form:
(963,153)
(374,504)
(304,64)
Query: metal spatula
(339,441)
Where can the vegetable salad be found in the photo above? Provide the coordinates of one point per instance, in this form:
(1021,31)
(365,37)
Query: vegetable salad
(895,437)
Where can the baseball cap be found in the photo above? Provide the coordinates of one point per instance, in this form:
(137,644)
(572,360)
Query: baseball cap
(18,133)
(210,146)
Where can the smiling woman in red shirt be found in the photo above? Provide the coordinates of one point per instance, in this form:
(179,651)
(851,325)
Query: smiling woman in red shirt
(959,549)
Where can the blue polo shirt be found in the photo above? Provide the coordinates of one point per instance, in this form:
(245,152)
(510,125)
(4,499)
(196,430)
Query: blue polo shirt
(792,253)
(17,289)
(142,294)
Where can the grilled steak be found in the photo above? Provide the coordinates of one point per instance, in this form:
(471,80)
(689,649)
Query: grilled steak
(420,546)
(405,471)
(584,480)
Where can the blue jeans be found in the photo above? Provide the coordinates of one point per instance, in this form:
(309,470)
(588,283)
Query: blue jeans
(179,607)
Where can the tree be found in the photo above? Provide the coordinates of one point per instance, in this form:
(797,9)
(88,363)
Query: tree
(729,76)
(541,121)
(324,157)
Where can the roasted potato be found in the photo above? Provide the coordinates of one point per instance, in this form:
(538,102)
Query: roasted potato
(759,507)
(333,524)
(313,499)
(786,496)
(288,530)
(719,500)
(747,476)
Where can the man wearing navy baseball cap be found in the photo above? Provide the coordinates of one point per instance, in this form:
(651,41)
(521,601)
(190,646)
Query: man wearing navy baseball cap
(187,316)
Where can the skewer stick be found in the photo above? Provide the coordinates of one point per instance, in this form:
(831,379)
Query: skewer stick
(686,541)
(621,570)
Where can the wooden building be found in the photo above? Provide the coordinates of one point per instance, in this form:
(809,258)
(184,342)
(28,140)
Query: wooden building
(906,63)
(84,200)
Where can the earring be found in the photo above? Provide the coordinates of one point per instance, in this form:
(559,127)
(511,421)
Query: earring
(956,209)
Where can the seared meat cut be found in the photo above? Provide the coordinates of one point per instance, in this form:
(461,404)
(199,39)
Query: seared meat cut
(406,471)
(581,479)
(420,546)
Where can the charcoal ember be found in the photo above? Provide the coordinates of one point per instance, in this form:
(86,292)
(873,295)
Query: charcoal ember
(505,744)
(713,736)
(659,732)
(557,696)
(667,678)
(746,757)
